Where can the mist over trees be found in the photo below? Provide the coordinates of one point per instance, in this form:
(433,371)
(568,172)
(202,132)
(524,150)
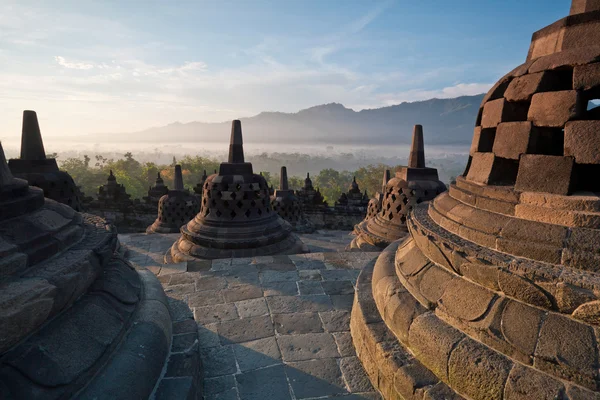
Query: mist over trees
(332,176)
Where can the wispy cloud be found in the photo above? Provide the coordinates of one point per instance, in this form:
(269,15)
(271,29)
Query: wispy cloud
(72,65)
(369,17)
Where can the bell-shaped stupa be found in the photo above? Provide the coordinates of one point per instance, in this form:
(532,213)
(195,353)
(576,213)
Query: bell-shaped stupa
(37,170)
(412,185)
(286,204)
(495,294)
(375,204)
(76,320)
(236,218)
(176,208)
(157,191)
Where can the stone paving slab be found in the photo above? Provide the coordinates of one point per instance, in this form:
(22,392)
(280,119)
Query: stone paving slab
(273,327)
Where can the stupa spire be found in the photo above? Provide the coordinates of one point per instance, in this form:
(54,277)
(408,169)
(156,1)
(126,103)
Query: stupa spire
(583,6)
(236,145)
(283,179)
(416,158)
(386,178)
(32,146)
(178,180)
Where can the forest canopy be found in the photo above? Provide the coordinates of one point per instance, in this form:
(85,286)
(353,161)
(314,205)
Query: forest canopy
(90,173)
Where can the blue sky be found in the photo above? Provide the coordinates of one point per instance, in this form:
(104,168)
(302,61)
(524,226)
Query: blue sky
(121,66)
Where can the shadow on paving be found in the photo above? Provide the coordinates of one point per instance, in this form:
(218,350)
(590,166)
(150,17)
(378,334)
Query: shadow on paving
(254,370)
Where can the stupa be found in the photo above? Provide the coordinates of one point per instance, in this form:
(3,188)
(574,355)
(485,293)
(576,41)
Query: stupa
(286,204)
(112,195)
(496,293)
(236,218)
(198,189)
(176,208)
(35,168)
(375,204)
(412,185)
(309,197)
(157,191)
(354,198)
(76,320)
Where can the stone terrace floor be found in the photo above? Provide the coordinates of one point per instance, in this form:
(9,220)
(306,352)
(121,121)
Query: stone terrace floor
(269,327)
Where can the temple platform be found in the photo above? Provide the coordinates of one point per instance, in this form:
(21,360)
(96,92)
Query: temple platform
(272,327)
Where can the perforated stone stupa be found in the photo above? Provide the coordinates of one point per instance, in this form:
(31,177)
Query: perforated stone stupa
(176,208)
(236,218)
(286,204)
(375,204)
(412,185)
(35,168)
(76,320)
(496,293)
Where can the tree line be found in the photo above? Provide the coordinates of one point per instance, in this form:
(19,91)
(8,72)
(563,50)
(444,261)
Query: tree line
(90,173)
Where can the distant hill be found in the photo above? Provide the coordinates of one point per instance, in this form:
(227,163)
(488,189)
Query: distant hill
(445,121)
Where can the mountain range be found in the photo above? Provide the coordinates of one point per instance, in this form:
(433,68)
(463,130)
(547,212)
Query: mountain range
(445,121)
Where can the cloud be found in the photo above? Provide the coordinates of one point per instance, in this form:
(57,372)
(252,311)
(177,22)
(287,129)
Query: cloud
(460,89)
(72,65)
(369,17)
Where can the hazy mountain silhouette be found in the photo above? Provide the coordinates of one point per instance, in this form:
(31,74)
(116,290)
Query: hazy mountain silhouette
(445,121)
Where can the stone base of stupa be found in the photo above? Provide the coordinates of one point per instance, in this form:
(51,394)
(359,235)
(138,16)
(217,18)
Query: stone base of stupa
(81,324)
(212,241)
(444,317)
(376,234)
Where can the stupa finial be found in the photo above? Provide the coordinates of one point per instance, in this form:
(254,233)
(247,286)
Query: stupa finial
(386,177)
(236,144)
(178,180)
(416,159)
(32,146)
(283,180)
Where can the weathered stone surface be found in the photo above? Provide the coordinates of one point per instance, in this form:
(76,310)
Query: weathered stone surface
(466,300)
(432,341)
(554,109)
(290,304)
(218,361)
(540,173)
(513,139)
(522,289)
(560,354)
(526,383)
(307,346)
(524,87)
(243,292)
(477,371)
(310,287)
(215,313)
(344,344)
(586,77)
(297,323)
(245,329)
(257,354)
(497,111)
(521,325)
(263,384)
(335,321)
(252,308)
(582,141)
(354,375)
(315,378)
